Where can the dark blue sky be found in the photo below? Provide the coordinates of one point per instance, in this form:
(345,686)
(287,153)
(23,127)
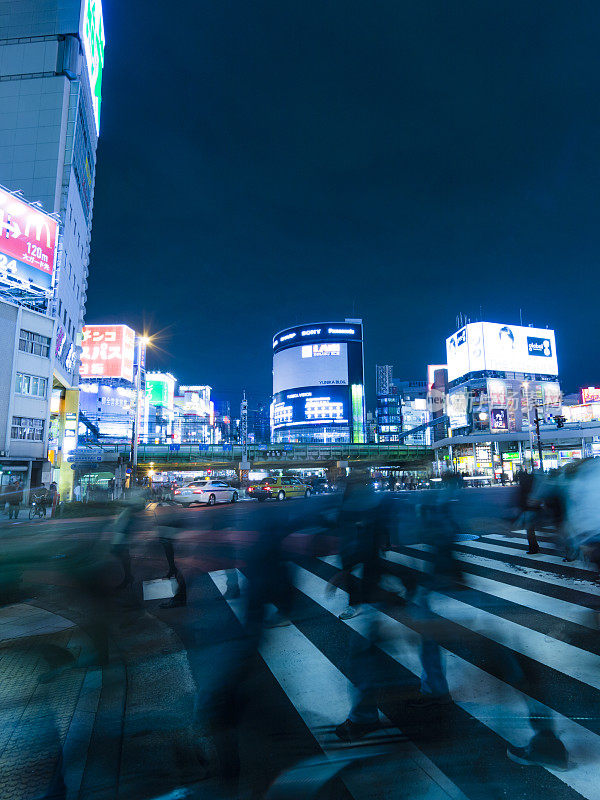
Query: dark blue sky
(270,163)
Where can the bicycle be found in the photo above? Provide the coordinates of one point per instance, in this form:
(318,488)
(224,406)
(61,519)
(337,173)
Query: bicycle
(37,509)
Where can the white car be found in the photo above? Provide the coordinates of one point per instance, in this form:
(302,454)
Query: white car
(208,492)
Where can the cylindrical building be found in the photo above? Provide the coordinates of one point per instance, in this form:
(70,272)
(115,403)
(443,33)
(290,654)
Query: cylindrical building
(318,383)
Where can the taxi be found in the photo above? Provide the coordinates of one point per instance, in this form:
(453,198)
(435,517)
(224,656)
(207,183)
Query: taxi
(279,488)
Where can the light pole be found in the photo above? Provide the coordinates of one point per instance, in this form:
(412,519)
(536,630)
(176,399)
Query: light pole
(143,342)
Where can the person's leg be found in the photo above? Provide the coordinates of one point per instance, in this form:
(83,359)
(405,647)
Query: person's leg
(534,546)
(170,555)
(122,553)
(433,680)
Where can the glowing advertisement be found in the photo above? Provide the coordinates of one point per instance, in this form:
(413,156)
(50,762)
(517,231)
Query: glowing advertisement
(93,46)
(358,413)
(497,392)
(492,346)
(28,239)
(310,365)
(590,395)
(551,394)
(458,406)
(160,389)
(107,352)
(311,406)
(499,419)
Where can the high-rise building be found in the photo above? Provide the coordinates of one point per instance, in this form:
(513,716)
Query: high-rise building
(399,406)
(51,61)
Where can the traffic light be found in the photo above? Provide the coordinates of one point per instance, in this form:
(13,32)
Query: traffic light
(560,421)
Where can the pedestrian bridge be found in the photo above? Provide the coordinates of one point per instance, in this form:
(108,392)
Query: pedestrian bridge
(193,456)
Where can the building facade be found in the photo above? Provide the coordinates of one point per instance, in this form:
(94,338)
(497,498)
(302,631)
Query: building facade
(400,405)
(318,383)
(499,378)
(51,60)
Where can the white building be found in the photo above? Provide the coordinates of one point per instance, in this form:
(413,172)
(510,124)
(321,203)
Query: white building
(51,59)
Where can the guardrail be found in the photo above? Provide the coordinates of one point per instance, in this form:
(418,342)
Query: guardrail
(194,453)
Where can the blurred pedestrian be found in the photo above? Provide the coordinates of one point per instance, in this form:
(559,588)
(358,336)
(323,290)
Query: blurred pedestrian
(528,508)
(364,523)
(170,523)
(14,497)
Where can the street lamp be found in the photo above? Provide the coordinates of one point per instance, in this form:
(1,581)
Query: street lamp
(143,342)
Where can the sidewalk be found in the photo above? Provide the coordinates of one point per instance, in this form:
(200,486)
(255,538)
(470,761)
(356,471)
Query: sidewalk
(107,721)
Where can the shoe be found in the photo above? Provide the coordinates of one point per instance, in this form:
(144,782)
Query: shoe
(277,621)
(348,613)
(174,602)
(533,552)
(545,749)
(429,700)
(350,731)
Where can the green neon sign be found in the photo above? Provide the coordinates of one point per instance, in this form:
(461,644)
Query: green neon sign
(93,46)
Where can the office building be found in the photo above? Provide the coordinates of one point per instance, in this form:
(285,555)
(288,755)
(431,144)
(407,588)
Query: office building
(318,383)
(51,60)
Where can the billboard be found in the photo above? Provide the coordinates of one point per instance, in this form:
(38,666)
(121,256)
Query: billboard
(28,239)
(107,352)
(311,406)
(93,46)
(495,347)
(590,394)
(499,419)
(458,406)
(310,365)
(160,389)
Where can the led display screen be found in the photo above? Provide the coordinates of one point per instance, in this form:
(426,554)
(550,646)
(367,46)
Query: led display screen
(503,348)
(310,365)
(313,405)
(28,240)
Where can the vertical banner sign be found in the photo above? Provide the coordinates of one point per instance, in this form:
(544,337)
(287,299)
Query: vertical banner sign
(93,45)
(358,427)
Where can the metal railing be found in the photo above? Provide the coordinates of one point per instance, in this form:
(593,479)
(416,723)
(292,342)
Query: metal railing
(194,453)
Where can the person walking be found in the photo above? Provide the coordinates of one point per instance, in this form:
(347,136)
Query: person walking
(53,498)
(15,498)
(528,509)
(169,524)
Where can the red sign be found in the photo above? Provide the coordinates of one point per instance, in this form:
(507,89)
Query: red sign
(590,395)
(27,234)
(107,352)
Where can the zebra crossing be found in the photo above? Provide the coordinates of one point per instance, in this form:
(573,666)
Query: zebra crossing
(537,607)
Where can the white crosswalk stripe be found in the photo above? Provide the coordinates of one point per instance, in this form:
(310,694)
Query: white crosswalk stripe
(307,675)
(563,609)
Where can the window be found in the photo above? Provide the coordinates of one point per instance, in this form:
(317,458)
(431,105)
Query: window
(31,385)
(34,343)
(27,428)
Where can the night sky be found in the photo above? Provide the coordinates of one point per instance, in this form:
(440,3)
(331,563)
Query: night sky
(270,163)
